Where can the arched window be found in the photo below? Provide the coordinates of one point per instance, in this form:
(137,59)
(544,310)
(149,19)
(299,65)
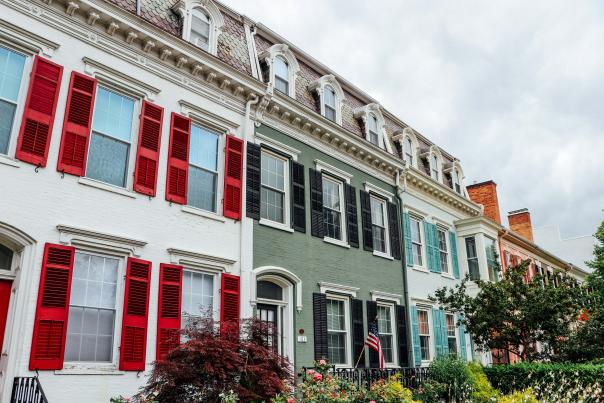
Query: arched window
(200,29)
(281,75)
(6,257)
(329,98)
(408,145)
(374,137)
(456,181)
(434,168)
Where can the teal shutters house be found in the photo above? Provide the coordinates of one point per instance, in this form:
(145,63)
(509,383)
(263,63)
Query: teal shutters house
(326,253)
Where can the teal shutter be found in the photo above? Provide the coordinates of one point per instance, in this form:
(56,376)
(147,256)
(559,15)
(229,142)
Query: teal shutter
(436,322)
(408,247)
(432,251)
(436,249)
(454,258)
(417,353)
(444,334)
(462,342)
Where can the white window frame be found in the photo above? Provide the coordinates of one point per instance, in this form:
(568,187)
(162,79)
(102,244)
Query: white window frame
(19,105)
(340,184)
(320,85)
(347,325)
(430,334)
(392,306)
(408,152)
(283,51)
(447,251)
(477,257)
(216,287)
(423,266)
(286,224)
(220,160)
(380,199)
(364,113)
(184,8)
(457,349)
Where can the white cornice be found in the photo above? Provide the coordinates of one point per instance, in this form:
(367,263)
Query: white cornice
(70,235)
(25,40)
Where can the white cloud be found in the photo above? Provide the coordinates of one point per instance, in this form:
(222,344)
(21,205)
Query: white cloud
(514,89)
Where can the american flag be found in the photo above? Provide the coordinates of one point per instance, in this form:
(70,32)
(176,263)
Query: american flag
(373,340)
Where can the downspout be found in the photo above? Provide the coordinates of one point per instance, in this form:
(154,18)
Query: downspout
(253,99)
(399,197)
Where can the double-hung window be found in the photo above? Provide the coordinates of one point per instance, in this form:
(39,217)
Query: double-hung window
(386,329)
(442,248)
(491,260)
(200,29)
(378,224)
(434,168)
(197,295)
(111,138)
(374,137)
(203,169)
(451,339)
(456,181)
(329,103)
(424,333)
(472,256)
(416,241)
(408,151)
(281,69)
(338,328)
(11,73)
(92,309)
(274,179)
(333,215)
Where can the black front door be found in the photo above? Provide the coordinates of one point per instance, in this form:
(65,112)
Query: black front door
(269,315)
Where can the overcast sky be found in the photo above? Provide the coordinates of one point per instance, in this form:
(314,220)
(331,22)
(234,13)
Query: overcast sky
(514,89)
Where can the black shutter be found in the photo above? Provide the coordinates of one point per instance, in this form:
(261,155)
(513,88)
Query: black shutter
(316,203)
(298,205)
(319,308)
(401,325)
(252,203)
(395,237)
(352,224)
(374,359)
(358,331)
(366,216)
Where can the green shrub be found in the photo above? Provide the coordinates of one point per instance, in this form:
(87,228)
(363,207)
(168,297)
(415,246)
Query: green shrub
(525,396)
(450,380)
(482,390)
(551,382)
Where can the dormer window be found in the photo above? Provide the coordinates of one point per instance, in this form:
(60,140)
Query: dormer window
(434,168)
(374,137)
(408,151)
(282,68)
(329,103)
(456,181)
(200,29)
(281,75)
(202,22)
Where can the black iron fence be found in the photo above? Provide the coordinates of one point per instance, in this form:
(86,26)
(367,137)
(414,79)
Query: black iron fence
(27,390)
(410,377)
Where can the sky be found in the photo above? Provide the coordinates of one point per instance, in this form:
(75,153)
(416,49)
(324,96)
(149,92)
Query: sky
(514,89)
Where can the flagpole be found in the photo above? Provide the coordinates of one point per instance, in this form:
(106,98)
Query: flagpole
(360,355)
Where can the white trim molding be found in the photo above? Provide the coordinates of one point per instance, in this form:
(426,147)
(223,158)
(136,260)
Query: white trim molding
(330,169)
(261,139)
(401,136)
(385,296)
(371,188)
(293,67)
(319,86)
(363,113)
(326,287)
(281,272)
(184,8)
(201,260)
(99,241)
(26,41)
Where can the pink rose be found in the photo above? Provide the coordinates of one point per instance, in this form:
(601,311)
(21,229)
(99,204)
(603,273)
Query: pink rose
(322,362)
(291,400)
(311,371)
(372,401)
(317,376)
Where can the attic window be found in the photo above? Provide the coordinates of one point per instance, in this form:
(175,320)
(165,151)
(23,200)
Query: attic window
(374,137)
(373,123)
(200,29)
(282,68)
(281,75)
(330,103)
(456,182)
(202,22)
(330,97)
(408,150)
(434,171)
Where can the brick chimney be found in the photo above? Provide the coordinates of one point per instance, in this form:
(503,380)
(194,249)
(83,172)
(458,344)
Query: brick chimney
(520,223)
(485,193)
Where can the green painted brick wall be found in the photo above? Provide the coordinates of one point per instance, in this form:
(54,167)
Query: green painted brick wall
(314,260)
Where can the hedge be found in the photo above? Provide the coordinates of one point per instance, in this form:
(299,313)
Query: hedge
(548,379)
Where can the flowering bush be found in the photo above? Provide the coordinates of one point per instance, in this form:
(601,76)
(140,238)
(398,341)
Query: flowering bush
(450,381)
(482,390)
(525,396)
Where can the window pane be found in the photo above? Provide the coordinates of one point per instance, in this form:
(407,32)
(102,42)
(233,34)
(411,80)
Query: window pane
(386,341)
(373,138)
(425,347)
(6,257)
(201,192)
(273,171)
(197,294)
(7,113)
(377,212)
(11,71)
(336,351)
(330,113)
(384,319)
(271,206)
(113,115)
(330,97)
(204,148)
(379,235)
(269,290)
(331,194)
(281,68)
(332,223)
(332,209)
(335,315)
(200,29)
(107,160)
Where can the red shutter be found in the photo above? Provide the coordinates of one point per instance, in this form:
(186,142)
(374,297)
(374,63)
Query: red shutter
(77,124)
(147,156)
(178,159)
(52,311)
(39,114)
(229,310)
(136,310)
(168,311)
(233,182)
